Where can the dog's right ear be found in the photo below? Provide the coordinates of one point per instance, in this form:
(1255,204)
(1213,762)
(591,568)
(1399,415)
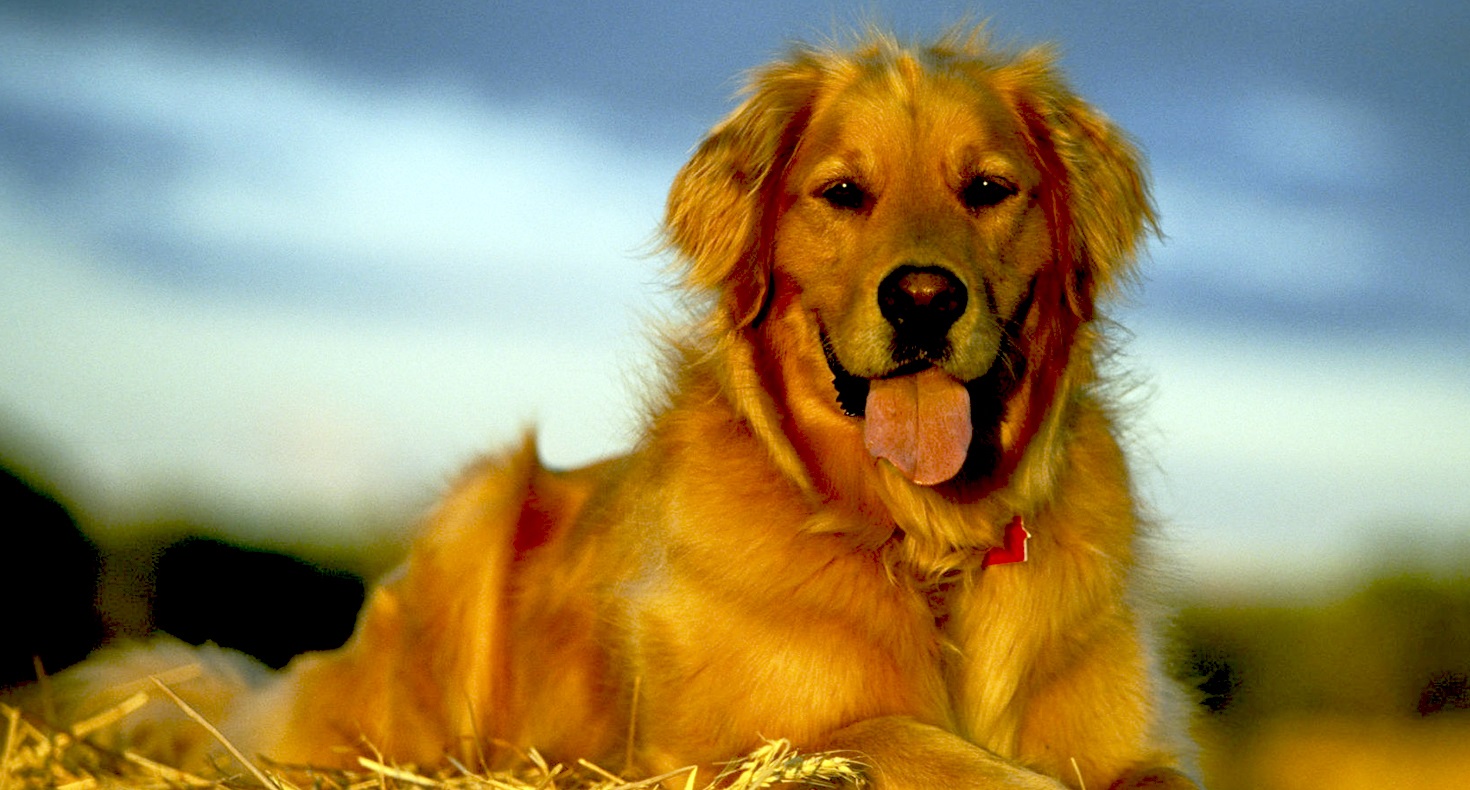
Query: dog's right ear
(721,209)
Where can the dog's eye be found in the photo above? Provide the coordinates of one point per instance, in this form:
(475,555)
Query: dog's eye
(846,195)
(984,191)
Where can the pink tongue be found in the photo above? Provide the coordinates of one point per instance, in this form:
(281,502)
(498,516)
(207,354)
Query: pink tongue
(920,423)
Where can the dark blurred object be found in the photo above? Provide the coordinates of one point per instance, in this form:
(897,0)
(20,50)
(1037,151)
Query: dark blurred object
(269,605)
(1445,691)
(48,581)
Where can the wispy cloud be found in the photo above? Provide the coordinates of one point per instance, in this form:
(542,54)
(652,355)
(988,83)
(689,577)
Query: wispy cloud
(264,166)
(1306,137)
(1233,240)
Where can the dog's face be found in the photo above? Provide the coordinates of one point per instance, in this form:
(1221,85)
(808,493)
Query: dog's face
(910,228)
(911,245)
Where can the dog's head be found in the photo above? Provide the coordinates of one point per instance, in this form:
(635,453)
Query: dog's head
(913,243)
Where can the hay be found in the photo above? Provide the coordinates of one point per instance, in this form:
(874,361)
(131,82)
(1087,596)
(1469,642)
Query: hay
(35,756)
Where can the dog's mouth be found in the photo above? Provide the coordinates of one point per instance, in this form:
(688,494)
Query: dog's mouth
(917,417)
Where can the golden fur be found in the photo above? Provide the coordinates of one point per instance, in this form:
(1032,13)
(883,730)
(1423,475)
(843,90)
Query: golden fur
(750,569)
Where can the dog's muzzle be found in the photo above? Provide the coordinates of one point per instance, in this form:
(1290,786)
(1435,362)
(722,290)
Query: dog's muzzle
(917,417)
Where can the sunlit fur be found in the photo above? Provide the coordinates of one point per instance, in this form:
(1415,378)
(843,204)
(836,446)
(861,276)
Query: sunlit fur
(749,570)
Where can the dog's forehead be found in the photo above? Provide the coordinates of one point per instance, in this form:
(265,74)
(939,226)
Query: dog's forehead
(916,111)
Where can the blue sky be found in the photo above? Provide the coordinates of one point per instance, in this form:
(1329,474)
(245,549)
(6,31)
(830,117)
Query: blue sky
(304,258)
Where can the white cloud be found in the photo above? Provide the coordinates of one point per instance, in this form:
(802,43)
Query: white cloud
(420,180)
(1278,455)
(1298,134)
(1233,239)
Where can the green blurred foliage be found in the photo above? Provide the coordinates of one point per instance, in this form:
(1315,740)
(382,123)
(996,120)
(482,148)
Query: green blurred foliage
(1398,646)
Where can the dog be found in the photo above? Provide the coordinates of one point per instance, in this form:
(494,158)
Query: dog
(879,505)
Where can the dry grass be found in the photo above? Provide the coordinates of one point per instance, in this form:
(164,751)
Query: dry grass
(34,756)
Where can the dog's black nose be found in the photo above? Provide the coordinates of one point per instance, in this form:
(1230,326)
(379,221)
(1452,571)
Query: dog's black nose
(922,303)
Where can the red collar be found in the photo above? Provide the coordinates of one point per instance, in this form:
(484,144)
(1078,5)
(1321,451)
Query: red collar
(1012,548)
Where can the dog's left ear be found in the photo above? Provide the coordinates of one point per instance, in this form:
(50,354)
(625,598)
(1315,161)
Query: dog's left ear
(720,212)
(1102,207)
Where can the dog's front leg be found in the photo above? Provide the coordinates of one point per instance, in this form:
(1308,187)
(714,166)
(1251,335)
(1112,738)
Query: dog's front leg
(904,754)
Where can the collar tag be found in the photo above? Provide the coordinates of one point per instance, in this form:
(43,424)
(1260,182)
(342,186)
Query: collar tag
(1013,548)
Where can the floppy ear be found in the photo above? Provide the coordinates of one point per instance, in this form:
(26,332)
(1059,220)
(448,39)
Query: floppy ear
(1101,205)
(720,212)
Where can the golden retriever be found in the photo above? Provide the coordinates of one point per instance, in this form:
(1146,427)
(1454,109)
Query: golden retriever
(879,505)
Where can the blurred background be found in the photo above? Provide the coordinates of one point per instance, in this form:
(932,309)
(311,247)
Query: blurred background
(270,273)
